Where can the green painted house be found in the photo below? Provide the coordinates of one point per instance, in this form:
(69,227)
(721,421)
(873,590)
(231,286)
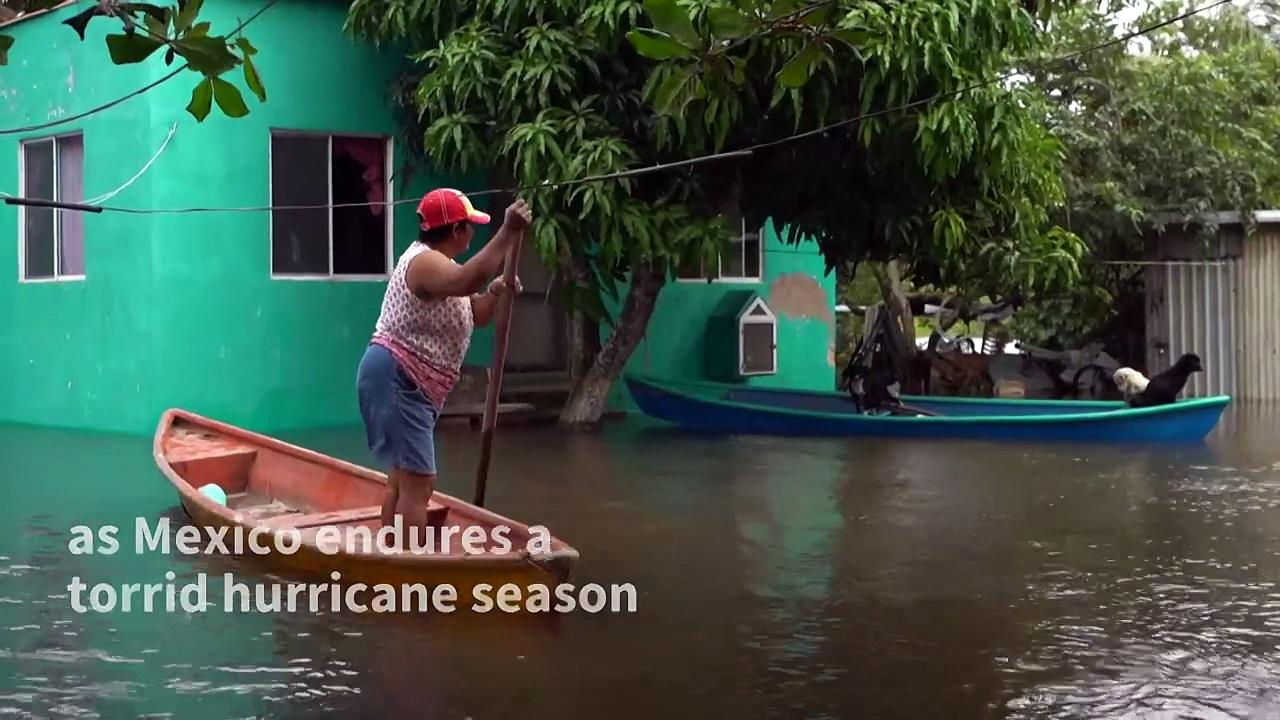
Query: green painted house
(259,317)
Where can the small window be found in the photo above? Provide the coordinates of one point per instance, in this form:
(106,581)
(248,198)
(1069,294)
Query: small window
(336,185)
(757,340)
(742,261)
(52,241)
(758,348)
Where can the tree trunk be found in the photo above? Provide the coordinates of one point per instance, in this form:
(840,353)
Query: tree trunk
(584,333)
(889,277)
(586,402)
(584,344)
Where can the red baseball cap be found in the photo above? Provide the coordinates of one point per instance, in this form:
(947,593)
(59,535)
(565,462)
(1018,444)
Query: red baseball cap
(446,206)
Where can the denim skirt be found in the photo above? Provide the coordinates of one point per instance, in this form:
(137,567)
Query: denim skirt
(399,419)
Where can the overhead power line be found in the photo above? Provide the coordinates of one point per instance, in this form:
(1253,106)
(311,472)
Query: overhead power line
(990,81)
(125,98)
(744,152)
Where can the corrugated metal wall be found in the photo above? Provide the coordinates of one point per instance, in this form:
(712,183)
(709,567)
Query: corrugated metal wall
(1260,311)
(1225,309)
(1195,310)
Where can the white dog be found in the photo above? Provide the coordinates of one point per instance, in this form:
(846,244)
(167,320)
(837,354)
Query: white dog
(1129,381)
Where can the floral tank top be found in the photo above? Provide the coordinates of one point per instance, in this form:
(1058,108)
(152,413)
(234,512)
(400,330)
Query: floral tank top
(428,338)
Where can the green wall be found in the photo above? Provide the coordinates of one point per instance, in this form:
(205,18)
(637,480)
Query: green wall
(678,350)
(78,353)
(180,310)
(285,352)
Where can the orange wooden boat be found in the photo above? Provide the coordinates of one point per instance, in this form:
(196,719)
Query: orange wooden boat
(278,488)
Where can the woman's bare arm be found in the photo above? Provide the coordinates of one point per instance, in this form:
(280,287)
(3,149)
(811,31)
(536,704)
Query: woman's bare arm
(485,305)
(434,275)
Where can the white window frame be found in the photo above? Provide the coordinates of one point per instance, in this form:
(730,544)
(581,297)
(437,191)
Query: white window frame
(746,318)
(58,276)
(720,264)
(389,210)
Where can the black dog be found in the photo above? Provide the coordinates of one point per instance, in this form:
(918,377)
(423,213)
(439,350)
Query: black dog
(1165,387)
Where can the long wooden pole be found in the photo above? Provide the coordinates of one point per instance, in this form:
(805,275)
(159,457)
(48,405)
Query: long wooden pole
(502,331)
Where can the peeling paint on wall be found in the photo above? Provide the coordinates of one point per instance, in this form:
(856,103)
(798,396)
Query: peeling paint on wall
(799,296)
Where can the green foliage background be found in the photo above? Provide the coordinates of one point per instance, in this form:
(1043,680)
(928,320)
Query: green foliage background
(1182,122)
(1030,189)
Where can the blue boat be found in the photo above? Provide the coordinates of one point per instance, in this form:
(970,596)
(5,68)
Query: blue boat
(728,408)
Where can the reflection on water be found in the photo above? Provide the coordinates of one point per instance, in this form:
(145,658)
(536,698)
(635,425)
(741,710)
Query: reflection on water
(777,578)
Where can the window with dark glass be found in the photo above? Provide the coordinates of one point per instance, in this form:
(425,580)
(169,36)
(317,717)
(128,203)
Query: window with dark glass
(328,194)
(741,261)
(52,240)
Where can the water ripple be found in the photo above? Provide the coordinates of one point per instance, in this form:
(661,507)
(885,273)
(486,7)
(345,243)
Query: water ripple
(792,578)
(68,656)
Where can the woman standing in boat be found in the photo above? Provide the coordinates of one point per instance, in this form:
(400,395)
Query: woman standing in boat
(432,305)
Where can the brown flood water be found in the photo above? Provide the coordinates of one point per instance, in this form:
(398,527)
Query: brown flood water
(777,578)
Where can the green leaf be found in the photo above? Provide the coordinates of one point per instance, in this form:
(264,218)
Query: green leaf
(157,27)
(131,48)
(668,17)
(253,80)
(229,99)
(153,12)
(190,10)
(657,46)
(201,100)
(783,7)
(796,72)
(855,39)
(199,29)
(6,42)
(670,92)
(80,22)
(820,15)
(207,55)
(594,307)
(730,24)
(246,46)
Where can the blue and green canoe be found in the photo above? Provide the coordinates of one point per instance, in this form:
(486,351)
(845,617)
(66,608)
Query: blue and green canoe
(743,409)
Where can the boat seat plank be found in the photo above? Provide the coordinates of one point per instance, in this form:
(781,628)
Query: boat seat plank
(211,452)
(226,467)
(261,510)
(184,445)
(435,515)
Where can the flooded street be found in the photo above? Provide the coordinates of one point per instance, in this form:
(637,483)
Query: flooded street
(776,578)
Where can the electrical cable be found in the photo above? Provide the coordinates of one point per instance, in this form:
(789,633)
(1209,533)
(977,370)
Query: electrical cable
(107,196)
(744,152)
(140,91)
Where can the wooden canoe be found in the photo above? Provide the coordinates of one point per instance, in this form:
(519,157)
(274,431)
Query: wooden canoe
(279,487)
(721,407)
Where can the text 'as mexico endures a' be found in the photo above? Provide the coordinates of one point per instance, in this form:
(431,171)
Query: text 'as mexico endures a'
(330,539)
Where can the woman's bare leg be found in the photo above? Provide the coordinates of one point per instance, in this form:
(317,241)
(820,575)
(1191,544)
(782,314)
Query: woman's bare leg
(389,502)
(413,492)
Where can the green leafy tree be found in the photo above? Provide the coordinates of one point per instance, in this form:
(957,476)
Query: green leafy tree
(955,193)
(1181,122)
(536,93)
(147,29)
